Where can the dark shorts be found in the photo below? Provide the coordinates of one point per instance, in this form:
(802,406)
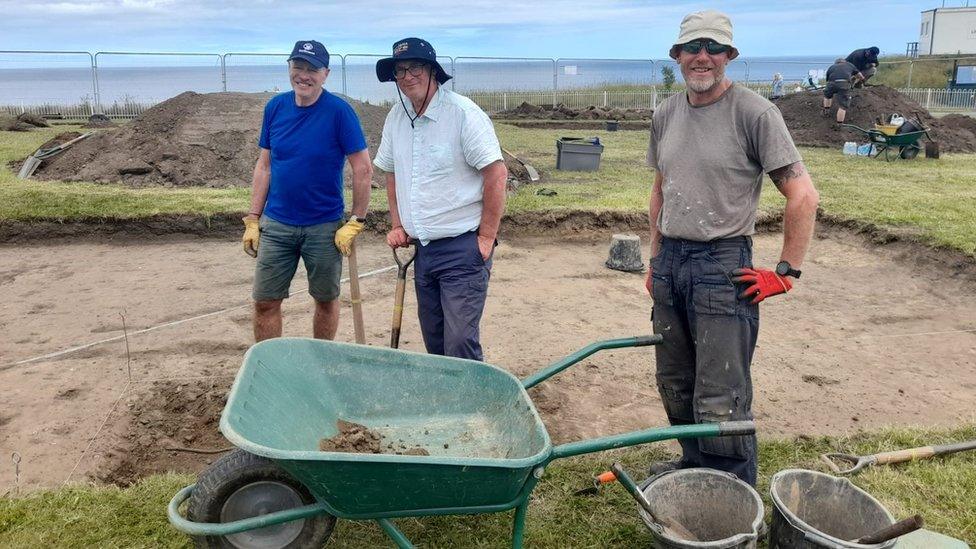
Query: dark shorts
(842,90)
(279,250)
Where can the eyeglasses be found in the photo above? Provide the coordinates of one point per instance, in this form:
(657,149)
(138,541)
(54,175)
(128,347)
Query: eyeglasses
(415,69)
(711,46)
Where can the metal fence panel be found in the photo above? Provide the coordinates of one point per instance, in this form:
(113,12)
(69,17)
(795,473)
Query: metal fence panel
(47,82)
(267,72)
(942,100)
(577,73)
(361,83)
(148,78)
(761,70)
(483,74)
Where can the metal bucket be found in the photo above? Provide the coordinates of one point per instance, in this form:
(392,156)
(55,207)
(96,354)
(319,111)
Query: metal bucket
(814,510)
(721,510)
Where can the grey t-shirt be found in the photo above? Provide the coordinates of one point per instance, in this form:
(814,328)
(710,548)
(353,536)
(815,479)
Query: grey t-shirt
(712,158)
(841,71)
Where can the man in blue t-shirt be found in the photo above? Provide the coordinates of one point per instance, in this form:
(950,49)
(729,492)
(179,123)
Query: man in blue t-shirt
(296,194)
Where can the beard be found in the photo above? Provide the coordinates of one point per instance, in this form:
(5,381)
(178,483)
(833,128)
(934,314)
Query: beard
(702,85)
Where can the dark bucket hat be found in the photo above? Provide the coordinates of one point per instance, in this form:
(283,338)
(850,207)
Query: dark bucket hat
(406,50)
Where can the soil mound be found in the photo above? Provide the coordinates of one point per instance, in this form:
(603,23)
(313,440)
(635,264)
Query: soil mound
(960,122)
(190,140)
(33,120)
(207,140)
(99,121)
(10,123)
(562,112)
(172,428)
(802,113)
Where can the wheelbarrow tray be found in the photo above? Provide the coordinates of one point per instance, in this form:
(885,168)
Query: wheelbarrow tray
(476,421)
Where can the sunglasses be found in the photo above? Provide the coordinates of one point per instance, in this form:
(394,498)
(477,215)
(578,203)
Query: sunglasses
(712,47)
(415,69)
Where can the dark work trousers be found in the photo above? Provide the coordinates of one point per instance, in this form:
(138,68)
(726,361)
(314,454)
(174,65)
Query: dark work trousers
(451,280)
(709,337)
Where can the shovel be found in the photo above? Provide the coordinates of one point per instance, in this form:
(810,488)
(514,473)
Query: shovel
(356,297)
(898,456)
(670,528)
(34,160)
(533,174)
(401,288)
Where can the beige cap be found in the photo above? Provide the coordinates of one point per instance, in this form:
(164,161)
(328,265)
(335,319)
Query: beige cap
(705,24)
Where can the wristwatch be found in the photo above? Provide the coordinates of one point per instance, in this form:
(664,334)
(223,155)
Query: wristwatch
(357,219)
(783,268)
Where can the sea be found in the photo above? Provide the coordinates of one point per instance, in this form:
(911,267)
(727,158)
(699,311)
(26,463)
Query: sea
(129,78)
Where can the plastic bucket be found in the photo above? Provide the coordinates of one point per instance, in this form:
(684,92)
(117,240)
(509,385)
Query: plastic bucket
(814,509)
(721,510)
(612,125)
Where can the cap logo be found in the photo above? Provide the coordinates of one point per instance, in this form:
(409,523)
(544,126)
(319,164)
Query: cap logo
(307,46)
(400,48)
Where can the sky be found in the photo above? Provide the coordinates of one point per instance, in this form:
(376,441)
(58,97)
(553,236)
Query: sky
(534,28)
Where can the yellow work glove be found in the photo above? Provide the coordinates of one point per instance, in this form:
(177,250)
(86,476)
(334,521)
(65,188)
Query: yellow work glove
(346,234)
(251,236)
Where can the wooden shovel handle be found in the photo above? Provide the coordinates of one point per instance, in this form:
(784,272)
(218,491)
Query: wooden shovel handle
(900,456)
(897,529)
(923,452)
(356,296)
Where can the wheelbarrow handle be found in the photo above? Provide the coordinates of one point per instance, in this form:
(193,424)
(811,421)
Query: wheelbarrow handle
(623,440)
(563,363)
(226,528)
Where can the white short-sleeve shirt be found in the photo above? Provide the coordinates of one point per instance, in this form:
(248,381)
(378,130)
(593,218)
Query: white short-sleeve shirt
(437,163)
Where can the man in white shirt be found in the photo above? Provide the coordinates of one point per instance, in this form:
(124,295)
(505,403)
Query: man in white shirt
(445,181)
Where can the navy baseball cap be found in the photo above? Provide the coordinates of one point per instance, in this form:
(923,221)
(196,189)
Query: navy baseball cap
(410,49)
(312,52)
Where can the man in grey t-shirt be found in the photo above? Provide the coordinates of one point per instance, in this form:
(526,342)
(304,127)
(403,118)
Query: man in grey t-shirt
(710,148)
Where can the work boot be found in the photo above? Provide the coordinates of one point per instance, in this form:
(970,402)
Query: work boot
(659,467)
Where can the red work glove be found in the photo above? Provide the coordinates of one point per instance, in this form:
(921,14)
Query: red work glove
(762,283)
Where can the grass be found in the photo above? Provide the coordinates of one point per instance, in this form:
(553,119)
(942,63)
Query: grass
(25,200)
(926,72)
(931,199)
(940,489)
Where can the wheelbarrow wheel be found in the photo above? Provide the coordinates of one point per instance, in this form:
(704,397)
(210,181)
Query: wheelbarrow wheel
(909,152)
(242,485)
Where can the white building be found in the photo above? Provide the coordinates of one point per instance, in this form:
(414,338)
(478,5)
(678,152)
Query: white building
(947,31)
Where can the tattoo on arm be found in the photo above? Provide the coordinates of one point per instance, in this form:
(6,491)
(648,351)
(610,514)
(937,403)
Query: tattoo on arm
(784,174)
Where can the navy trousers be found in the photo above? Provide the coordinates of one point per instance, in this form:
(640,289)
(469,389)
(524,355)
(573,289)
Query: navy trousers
(703,366)
(451,280)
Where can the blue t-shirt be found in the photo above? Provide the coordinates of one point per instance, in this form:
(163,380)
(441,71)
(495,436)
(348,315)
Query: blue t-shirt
(308,148)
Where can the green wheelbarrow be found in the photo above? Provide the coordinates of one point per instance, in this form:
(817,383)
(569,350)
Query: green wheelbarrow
(894,146)
(487,447)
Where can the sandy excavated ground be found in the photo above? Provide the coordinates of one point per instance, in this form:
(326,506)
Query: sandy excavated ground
(867,339)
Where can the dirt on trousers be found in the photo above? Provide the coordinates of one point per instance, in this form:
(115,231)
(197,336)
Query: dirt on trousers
(835,355)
